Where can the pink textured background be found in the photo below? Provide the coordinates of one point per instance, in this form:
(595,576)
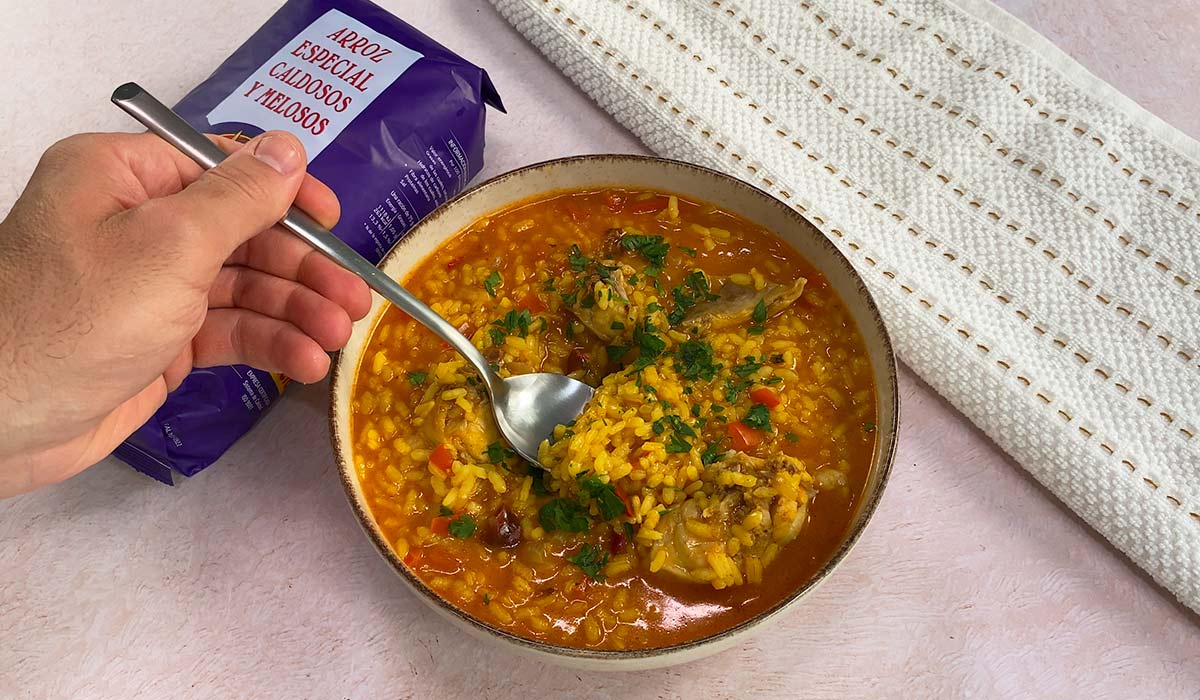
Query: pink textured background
(253,580)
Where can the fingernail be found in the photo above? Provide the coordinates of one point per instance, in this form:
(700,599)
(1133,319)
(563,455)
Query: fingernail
(279,152)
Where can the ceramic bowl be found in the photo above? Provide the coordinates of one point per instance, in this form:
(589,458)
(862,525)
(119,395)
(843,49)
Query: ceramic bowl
(633,172)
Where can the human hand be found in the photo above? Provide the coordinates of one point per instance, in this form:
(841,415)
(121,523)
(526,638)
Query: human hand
(123,265)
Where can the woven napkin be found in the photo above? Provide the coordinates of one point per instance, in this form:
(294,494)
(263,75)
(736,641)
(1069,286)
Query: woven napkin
(1031,235)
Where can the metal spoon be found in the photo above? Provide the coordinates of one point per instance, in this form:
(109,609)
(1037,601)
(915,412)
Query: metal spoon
(527,407)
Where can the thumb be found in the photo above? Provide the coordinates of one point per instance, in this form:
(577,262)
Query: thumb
(242,196)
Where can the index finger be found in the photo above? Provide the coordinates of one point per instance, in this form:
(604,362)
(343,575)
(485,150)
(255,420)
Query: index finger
(161,170)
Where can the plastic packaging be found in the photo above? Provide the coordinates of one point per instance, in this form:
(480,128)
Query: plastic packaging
(392,121)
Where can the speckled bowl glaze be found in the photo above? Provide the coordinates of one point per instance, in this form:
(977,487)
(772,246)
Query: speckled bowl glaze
(633,172)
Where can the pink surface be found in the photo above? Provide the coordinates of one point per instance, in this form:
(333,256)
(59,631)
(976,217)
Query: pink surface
(253,580)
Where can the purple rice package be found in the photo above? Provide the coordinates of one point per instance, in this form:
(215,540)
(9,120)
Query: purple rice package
(391,120)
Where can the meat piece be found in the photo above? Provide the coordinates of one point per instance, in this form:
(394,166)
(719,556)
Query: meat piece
(736,304)
(604,301)
(739,507)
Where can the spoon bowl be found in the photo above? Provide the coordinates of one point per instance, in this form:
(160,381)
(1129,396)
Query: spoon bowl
(527,408)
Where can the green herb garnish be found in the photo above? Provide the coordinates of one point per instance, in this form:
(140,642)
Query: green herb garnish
(608,502)
(748,367)
(616,352)
(678,445)
(515,321)
(695,360)
(496,335)
(491,282)
(869,427)
(462,527)
(791,437)
(591,559)
(562,514)
(758,417)
(653,248)
(649,344)
(576,259)
(712,453)
(733,388)
(497,453)
(417,378)
(539,487)
(443,510)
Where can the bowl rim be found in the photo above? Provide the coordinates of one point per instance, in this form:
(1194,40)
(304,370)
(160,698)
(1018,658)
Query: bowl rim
(864,514)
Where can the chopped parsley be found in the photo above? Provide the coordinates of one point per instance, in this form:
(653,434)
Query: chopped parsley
(616,326)
(869,427)
(758,417)
(698,282)
(677,445)
(514,321)
(694,359)
(628,527)
(591,559)
(692,291)
(576,259)
(497,336)
(497,453)
(695,410)
(563,514)
(608,502)
(760,312)
(679,431)
(748,367)
(417,378)
(539,487)
(487,599)
(759,316)
(733,388)
(690,251)
(791,437)
(712,453)
(462,527)
(491,282)
(777,359)
(649,343)
(674,422)
(443,510)
(548,285)
(653,248)
(633,279)
(570,299)
(616,352)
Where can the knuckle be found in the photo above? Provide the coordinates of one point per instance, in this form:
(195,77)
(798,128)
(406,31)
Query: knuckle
(234,183)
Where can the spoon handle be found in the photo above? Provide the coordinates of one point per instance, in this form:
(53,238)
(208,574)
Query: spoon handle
(161,120)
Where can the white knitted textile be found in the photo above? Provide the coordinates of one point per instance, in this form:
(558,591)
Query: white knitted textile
(1031,235)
